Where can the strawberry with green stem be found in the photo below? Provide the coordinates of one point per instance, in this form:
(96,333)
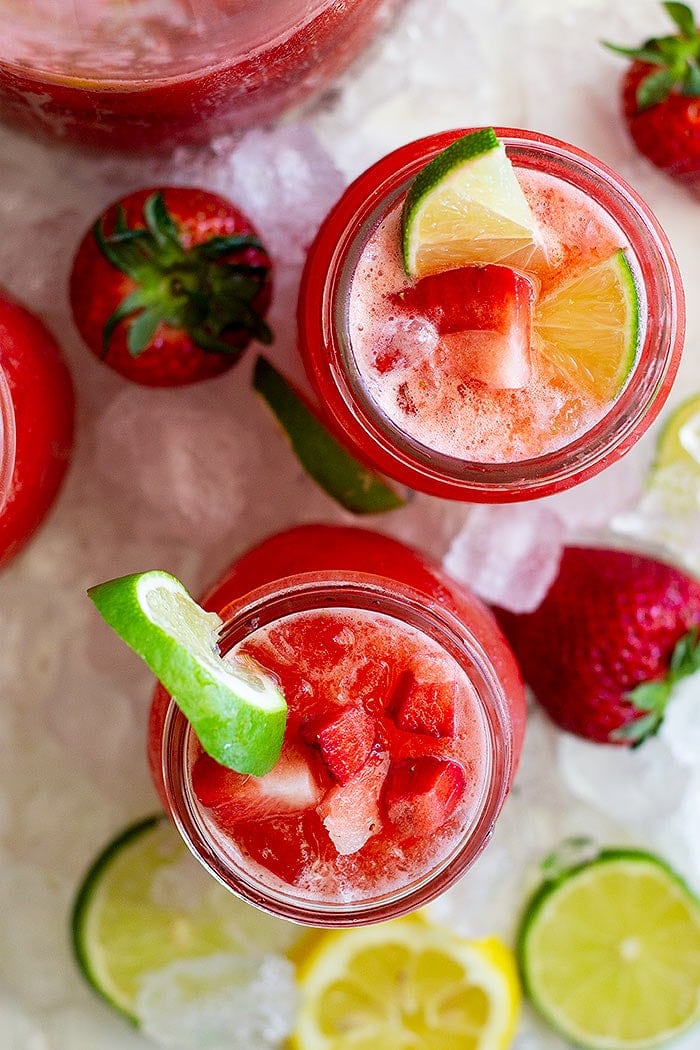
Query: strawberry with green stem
(170,285)
(661,95)
(612,637)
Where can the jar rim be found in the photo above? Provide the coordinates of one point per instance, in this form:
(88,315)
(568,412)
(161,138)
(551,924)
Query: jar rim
(308,591)
(326,345)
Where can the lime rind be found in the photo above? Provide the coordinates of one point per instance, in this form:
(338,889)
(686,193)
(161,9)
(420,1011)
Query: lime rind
(237,711)
(90,960)
(145,906)
(472,184)
(540,911)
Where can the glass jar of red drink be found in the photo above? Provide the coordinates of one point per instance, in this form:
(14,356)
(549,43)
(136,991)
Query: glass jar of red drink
(325,336)
(145,75)
(311,575)
(36,425)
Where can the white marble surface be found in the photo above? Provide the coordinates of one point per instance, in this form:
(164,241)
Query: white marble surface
(72,718)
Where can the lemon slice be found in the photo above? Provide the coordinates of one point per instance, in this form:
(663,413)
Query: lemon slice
(610,952)
(588,327)
(146,904)
(466,206)
(235,708)
(406,984)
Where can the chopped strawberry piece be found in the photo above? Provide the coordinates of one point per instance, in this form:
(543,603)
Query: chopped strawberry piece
(350,811)
(425,707)
(483,316)
(288,788)
(346,738)
(421,794)
(288,846)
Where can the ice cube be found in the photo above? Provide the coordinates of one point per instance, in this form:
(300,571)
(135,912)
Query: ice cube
(508,555)
(219,1002)
(403,343)
(680,729)
(19,1030)
(639,787)
(178,461)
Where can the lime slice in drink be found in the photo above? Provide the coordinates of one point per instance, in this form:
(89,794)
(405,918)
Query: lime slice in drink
(406,983)
(146,904)
(466,206)
(610,952)
(234,707)
(588,327)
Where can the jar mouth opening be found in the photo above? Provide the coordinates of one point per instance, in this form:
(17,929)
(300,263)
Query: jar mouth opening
(373,195)
(356,591)
(8,440)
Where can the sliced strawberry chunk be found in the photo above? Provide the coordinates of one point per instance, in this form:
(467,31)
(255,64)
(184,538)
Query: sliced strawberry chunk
(421,794)
(483,316)
(346,738)
(425,707)
(288,846)
(289,787)
(350,811)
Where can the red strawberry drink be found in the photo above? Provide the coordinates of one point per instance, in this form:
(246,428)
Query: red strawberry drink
(154,73)
(36,425)
(495,368)
(405,722)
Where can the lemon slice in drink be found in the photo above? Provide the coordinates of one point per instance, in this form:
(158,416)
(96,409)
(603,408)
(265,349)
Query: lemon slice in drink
(588,327)
(235,708)
(406,984)
(610,952)
(466,206)
(146,904)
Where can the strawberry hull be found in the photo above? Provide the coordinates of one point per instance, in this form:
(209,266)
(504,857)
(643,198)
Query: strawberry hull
(397,757)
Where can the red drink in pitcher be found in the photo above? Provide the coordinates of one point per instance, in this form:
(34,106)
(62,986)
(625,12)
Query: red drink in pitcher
(142,74)
(491,316)
(405,720)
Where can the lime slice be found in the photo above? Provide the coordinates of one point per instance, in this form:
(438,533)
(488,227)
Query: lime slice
(679,439)
(406,984)
(588,327)
(610,952)
(146,904)
(346,480)
(466,206)
(236,709)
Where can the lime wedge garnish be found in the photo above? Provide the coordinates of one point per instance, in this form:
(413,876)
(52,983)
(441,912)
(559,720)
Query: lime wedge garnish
(610,952)
(236,709)
(466,206)
(349,482)
(588,327)
(146,903)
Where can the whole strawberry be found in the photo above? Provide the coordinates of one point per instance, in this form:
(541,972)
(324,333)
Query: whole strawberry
(661,96)
(613,634)
(170,285)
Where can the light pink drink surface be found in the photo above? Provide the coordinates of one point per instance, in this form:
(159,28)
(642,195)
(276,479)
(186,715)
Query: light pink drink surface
(384,765)
(425,389)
